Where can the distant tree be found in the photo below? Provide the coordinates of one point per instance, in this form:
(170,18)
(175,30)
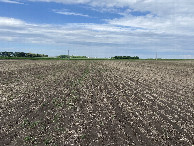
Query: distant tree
(63,56)
(78,56)
(6,54)
(20,54)
(125,57)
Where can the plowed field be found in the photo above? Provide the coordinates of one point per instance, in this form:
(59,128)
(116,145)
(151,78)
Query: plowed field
(121,103)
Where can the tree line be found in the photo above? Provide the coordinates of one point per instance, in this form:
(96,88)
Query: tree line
(68,56)
(125,57)
(23,54)
(20,54)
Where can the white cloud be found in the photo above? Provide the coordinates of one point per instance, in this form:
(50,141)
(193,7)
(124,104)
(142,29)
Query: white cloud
(4,21)
(64,1)
(11,1)
(172,16)
(66,12)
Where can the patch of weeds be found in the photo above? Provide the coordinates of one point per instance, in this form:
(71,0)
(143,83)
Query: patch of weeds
(74,84)
(79,80)
(47,141)
(56,118)
(44,104)
(57,102)
(165,134)
(11,98)
(34,124)
(86,71)
(113,117)
(33,140)
(27,139)
(30,139)
(73,92)
(83,136)
(102,123)
(43,128)
(26,123)
(74,97)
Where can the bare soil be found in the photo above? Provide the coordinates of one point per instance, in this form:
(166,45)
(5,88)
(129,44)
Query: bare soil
(90,103)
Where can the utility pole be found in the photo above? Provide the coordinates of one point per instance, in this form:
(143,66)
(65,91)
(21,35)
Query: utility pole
(68,55)
(156,56)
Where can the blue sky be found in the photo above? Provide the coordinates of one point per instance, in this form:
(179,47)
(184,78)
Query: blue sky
(98,28)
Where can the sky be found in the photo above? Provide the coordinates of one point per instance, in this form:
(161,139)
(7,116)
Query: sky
(99,28)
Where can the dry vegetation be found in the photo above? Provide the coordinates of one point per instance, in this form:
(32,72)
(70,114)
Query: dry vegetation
(121,103)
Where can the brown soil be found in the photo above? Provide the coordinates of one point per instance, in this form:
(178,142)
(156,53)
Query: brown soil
(60,103)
